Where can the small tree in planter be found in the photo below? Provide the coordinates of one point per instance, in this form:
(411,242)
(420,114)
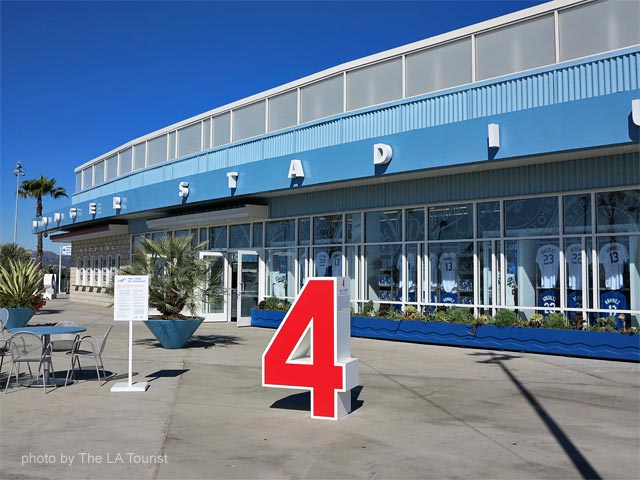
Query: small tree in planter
(20,290)
(178,281)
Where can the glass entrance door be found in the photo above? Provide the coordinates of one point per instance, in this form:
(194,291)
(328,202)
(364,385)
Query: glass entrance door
(215,310)
(248,275)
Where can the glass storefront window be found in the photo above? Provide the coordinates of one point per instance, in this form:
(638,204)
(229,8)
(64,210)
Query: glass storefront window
(531,216)
(239,236)
(281,273)
(450,222)
(485,280)
(204,238)
(257,239)
(577,291)
(488,223)
(327,229)
(533,274)
(576,212)
(411,275)
(354,227)
(281,233)
(351,265)
(415,225)
(451,268)
(302,267)
(383,226)
(618,211)
(327,262)
(181,233)
(382,274)
(618,283)
(304,231)
(217,238)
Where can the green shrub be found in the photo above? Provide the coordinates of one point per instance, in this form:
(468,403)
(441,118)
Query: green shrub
(20,282)
(459,315)
(505,318)
(555,320)
(605,324)
(536,320)
(368,309)
(275,303)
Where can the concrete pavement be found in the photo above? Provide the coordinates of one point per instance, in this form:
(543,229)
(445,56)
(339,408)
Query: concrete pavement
(421,412)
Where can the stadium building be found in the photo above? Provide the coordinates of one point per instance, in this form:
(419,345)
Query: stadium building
(494,166)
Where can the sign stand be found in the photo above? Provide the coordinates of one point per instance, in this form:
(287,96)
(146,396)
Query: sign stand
(131,302)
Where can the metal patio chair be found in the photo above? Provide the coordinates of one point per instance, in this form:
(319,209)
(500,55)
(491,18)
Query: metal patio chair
(26,347)
(94,349)
(63,342)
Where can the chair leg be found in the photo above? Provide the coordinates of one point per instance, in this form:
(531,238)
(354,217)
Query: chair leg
(6,387)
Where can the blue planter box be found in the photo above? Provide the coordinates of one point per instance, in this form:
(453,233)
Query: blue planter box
(267,318)
(605,345)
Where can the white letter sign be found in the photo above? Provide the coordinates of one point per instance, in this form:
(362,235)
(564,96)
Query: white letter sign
(295,169)
(382,153)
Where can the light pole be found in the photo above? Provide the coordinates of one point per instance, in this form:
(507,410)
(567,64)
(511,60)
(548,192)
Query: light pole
(18,172)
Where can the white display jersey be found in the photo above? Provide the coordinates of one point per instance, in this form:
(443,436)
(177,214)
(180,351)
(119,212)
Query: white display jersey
(336,264)
(322,262)
(573,256)
(547,260)
(449,267)
(433,273)
(411,270)
(613,256)
(279,284)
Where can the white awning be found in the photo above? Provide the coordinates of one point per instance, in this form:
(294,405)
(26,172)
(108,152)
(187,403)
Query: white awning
(214,217)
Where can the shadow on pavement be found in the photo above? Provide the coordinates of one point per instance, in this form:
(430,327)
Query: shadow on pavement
(302,401)
(581,463)
(166,374)
(197,341)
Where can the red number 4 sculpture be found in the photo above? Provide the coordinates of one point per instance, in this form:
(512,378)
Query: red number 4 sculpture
(322,310)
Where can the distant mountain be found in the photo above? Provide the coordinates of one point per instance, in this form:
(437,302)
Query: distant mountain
(51,259)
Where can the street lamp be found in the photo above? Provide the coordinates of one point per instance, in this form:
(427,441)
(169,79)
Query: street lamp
(18,172)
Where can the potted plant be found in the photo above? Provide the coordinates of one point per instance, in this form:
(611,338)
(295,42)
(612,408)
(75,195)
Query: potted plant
(20,290)
(179,282)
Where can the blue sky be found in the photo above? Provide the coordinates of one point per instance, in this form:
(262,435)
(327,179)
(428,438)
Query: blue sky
(80,78)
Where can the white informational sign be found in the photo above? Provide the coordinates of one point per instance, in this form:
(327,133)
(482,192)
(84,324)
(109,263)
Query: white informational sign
(131,298)
(66,250)
(131,303)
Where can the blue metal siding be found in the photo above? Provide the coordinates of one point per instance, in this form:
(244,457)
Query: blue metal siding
(573,175)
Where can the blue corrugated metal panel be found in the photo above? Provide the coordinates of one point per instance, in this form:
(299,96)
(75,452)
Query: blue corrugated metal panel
(279,145)
(153,175)
(245,153)
(217,159)
(318,136)
(377,123)
(183,168)
(602,77)
(573,175)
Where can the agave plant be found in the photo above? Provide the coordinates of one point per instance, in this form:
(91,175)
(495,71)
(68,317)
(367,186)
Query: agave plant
(178,279)
(20,283)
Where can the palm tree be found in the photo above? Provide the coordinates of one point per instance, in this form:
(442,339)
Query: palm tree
(38,188)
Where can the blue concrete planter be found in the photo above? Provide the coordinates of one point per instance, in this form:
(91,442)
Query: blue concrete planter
(267,318)
(173,333)
(605,345)
(19,317)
